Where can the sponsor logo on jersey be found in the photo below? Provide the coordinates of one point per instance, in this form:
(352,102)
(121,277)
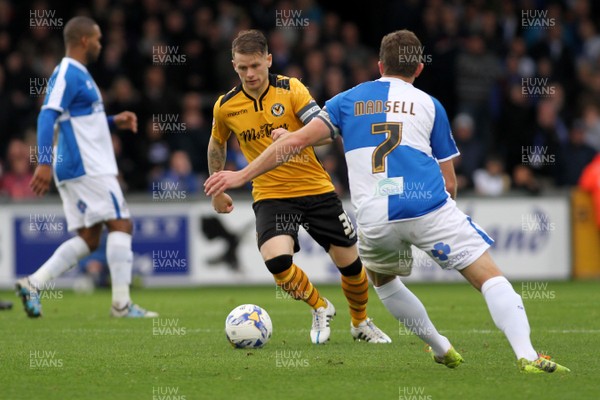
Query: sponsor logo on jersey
(277,109)
(236,113)
(390,187)
(263,131)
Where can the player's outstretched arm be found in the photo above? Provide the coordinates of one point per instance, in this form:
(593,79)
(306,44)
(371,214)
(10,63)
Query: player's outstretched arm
(276,154)
(279,133)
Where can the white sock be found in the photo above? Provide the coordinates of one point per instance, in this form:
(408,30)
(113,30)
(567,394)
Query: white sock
(508,313)
(120,263)
(66,256)
(408,309)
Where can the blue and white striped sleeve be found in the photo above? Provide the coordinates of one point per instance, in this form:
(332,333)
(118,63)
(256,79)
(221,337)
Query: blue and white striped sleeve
(62,87)
(442,143)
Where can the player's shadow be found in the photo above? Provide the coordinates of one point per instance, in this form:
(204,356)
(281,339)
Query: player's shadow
(214,229)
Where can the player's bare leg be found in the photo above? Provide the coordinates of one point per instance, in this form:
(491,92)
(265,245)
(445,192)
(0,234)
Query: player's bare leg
(355,286)
(508,313)
(408,309)
(120,264)
(277,253)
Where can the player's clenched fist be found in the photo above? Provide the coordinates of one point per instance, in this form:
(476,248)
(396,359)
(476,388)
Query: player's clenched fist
(222,203)
(126,120)
(40,183)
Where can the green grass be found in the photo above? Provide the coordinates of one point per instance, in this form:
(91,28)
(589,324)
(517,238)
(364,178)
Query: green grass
(97,357)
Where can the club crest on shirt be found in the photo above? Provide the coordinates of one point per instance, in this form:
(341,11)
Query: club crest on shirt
(278,109)
(81,206)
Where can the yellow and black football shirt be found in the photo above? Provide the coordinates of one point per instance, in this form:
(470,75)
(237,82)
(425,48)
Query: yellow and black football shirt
(286,103)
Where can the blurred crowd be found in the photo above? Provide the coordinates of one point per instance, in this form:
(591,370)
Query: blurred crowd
(520,80)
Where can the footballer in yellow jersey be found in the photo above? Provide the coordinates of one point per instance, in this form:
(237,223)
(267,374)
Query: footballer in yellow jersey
(285,103)
(300,193)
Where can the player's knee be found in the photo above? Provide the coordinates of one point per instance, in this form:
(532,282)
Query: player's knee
(352,269)
(277,265)
(93,242)
(379,279)
(120,225)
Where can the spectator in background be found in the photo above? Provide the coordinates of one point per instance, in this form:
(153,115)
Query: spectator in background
(314,65)
(156,151)
(200,73)
(123,96)
(196,134)
(591,119)
(280,50)
(492,180)
(477,70)
(525,181)
(550,133)
(356,53)
(331,28)
(471,151)
(179,176)
(515,129)
(590,40)
(157,98)
(334,82)
(202,32)
(294,71)
(573,157)
(122,163)
(15,182)
(555,47)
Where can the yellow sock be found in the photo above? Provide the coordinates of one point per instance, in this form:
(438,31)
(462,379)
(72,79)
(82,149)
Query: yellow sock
(356,290)
(295,282)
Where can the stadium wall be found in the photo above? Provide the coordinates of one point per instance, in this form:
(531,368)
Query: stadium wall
(186,243)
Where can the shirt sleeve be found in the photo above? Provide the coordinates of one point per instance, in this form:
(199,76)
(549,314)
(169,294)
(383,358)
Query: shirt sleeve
(442,143)
(305,107)
(62,89)
(220,132)
(45,134)
(331,115)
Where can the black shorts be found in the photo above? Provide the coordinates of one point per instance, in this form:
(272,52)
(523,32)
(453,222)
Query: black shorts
(322,216)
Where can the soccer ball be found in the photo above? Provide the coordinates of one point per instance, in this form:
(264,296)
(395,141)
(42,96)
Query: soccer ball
(248,326)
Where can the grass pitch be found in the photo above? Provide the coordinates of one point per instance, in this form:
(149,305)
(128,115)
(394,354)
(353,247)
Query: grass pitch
(76,351)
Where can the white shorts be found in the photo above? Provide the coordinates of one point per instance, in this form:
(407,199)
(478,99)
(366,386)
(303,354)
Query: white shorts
(88,200)
(447,235)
